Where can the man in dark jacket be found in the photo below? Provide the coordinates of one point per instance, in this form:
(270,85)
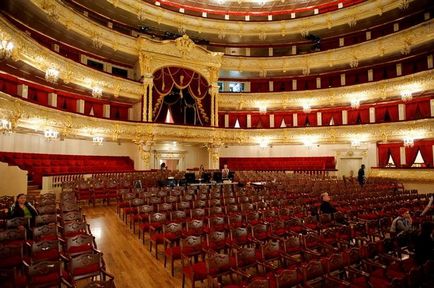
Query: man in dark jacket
(325,206)
(361,176)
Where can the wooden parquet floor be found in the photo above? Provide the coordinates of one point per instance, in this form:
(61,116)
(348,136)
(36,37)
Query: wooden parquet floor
(125,256)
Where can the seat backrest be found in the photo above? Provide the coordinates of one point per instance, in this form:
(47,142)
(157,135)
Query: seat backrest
(44,231)
(49,271)
(288,277)
(45,219)
(85,265)
(15,222)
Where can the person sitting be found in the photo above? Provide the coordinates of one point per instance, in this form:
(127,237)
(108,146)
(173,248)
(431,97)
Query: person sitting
(23,208)
(325,206)
(225,171)
(424,244)
(402,224)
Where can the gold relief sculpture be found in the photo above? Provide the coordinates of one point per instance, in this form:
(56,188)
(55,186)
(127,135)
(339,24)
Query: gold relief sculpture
(244,28)
(410,175)
(26,113)
(340,56)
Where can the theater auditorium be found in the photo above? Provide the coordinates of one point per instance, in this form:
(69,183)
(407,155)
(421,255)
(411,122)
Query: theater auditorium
(216,143)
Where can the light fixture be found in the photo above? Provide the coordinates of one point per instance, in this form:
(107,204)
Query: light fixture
(52,75)
(262,109)
(96,91)
(355,143)
(306,108)
(408,142)
(5,126)
(406,96)
(157,3)
(98,140)
(355,103)
(51,134)
(6,49)
(263,142)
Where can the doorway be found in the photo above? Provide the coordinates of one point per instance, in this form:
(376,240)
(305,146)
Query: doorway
(349,167)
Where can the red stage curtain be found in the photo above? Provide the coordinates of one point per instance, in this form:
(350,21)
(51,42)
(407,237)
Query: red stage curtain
(278,119)
(326,116)
(410,155)
(426,152)
(312,119)
(242,119)
(265,121)
(167,78)
(255,118)
(383,155)
(232,119)
(289,120)
(88,107)
(301,119)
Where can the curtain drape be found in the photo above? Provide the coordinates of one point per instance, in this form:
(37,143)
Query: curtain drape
(168,78)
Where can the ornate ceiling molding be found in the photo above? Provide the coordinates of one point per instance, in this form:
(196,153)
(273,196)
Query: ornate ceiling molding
(41,58)
(207,63)
(390,44)
(181,52)
(223,28)
(374,91)
(34,118)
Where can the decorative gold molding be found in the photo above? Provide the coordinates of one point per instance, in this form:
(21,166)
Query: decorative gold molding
(33,117)
(348,56)
(181,52)
(411,175)
(373,91)
(267,28)
(393,43)
(41,58)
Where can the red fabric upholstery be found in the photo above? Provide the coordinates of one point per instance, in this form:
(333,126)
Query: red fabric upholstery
(279,163)
(93,268)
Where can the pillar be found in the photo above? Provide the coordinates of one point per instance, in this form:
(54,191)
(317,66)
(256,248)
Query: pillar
(148,84)
(214,156)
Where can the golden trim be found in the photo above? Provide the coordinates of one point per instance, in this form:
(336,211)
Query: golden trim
(33,117)
(372,91)
(224,28)
(389,44)
(411,175)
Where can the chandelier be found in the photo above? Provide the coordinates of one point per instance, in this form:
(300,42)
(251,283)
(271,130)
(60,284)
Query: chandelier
(52,75)
(96,91)
(306,108)
(406,96)
(408,142)
(6,48)
(51,134)
(355,143)
(98,140)
(355,103)
(5,126)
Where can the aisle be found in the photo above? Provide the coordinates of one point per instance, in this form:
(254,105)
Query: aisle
(125,256)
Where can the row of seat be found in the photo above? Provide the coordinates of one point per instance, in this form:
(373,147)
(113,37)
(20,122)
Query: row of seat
(56,249)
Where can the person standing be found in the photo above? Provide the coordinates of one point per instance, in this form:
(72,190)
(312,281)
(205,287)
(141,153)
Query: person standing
(424,244)
(361,176)
(225,171)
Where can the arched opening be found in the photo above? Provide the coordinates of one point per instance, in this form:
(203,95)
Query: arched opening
(180,96)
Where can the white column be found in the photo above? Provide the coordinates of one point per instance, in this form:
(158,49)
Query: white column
(344,117)
(294,84)
(249,120)
(402,154)
(270,51)
(271,120)
(23,91)
(294,49)
(270,86)
(318,82)
(372,115)
(398,69)
(226,120)
(106,110)
(429,59)
(319,118)
(80,106)
(294,120)
(130,114)
(432,107)
(52,99)
(370,75)
(343,79)
(401,112)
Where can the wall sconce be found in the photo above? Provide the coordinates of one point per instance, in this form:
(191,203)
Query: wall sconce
(51,134)
(98,140)
(52,75)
